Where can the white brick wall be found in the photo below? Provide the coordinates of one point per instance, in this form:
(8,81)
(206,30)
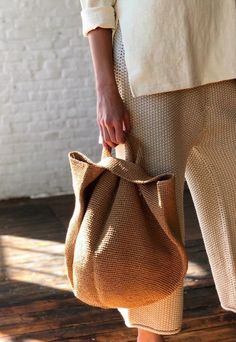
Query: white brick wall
(47,96)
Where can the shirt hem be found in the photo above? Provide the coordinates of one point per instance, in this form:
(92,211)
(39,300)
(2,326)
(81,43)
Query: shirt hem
(163,88)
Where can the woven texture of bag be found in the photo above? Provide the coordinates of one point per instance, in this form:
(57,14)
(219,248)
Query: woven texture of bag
(123,246)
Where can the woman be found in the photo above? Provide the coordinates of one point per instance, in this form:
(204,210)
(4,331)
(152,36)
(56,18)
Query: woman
(166,70)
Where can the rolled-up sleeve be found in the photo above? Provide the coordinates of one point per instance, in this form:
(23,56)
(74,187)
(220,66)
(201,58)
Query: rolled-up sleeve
(97,13)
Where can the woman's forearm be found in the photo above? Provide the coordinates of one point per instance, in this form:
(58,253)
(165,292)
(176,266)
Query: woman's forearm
(100,41)
(112,116)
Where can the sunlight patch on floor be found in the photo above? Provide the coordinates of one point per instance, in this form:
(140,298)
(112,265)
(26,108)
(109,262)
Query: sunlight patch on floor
(34,260)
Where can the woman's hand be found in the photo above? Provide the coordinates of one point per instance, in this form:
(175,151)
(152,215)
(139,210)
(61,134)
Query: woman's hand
(112,117)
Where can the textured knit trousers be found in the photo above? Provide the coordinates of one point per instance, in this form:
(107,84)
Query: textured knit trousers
(192,133)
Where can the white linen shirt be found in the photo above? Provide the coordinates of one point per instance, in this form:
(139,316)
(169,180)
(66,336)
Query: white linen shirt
(169,44)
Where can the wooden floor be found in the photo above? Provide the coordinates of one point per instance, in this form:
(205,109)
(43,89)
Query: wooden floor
(37,305)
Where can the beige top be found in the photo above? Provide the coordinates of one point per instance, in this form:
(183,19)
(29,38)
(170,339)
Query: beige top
(170,44)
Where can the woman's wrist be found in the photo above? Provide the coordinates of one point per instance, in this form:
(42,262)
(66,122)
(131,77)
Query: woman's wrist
(104,87)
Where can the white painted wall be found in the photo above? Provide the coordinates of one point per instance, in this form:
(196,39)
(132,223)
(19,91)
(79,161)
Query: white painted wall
(47,96)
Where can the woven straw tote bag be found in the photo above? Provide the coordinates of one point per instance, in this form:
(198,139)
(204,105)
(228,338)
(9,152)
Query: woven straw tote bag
(123,246)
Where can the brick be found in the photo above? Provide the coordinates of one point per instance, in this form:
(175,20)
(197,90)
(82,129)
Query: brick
(24,33)
(47,94)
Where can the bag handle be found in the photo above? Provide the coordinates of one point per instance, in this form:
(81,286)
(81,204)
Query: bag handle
(128,153)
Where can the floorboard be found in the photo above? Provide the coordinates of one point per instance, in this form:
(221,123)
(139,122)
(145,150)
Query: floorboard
(36,303)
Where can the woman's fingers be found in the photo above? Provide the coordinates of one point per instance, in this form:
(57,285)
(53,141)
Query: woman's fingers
(113,133)
(107,146)
(119,133)
(110,132)
(105,136)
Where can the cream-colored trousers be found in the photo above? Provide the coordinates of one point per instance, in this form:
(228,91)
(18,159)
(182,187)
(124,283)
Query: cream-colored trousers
(191,132)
